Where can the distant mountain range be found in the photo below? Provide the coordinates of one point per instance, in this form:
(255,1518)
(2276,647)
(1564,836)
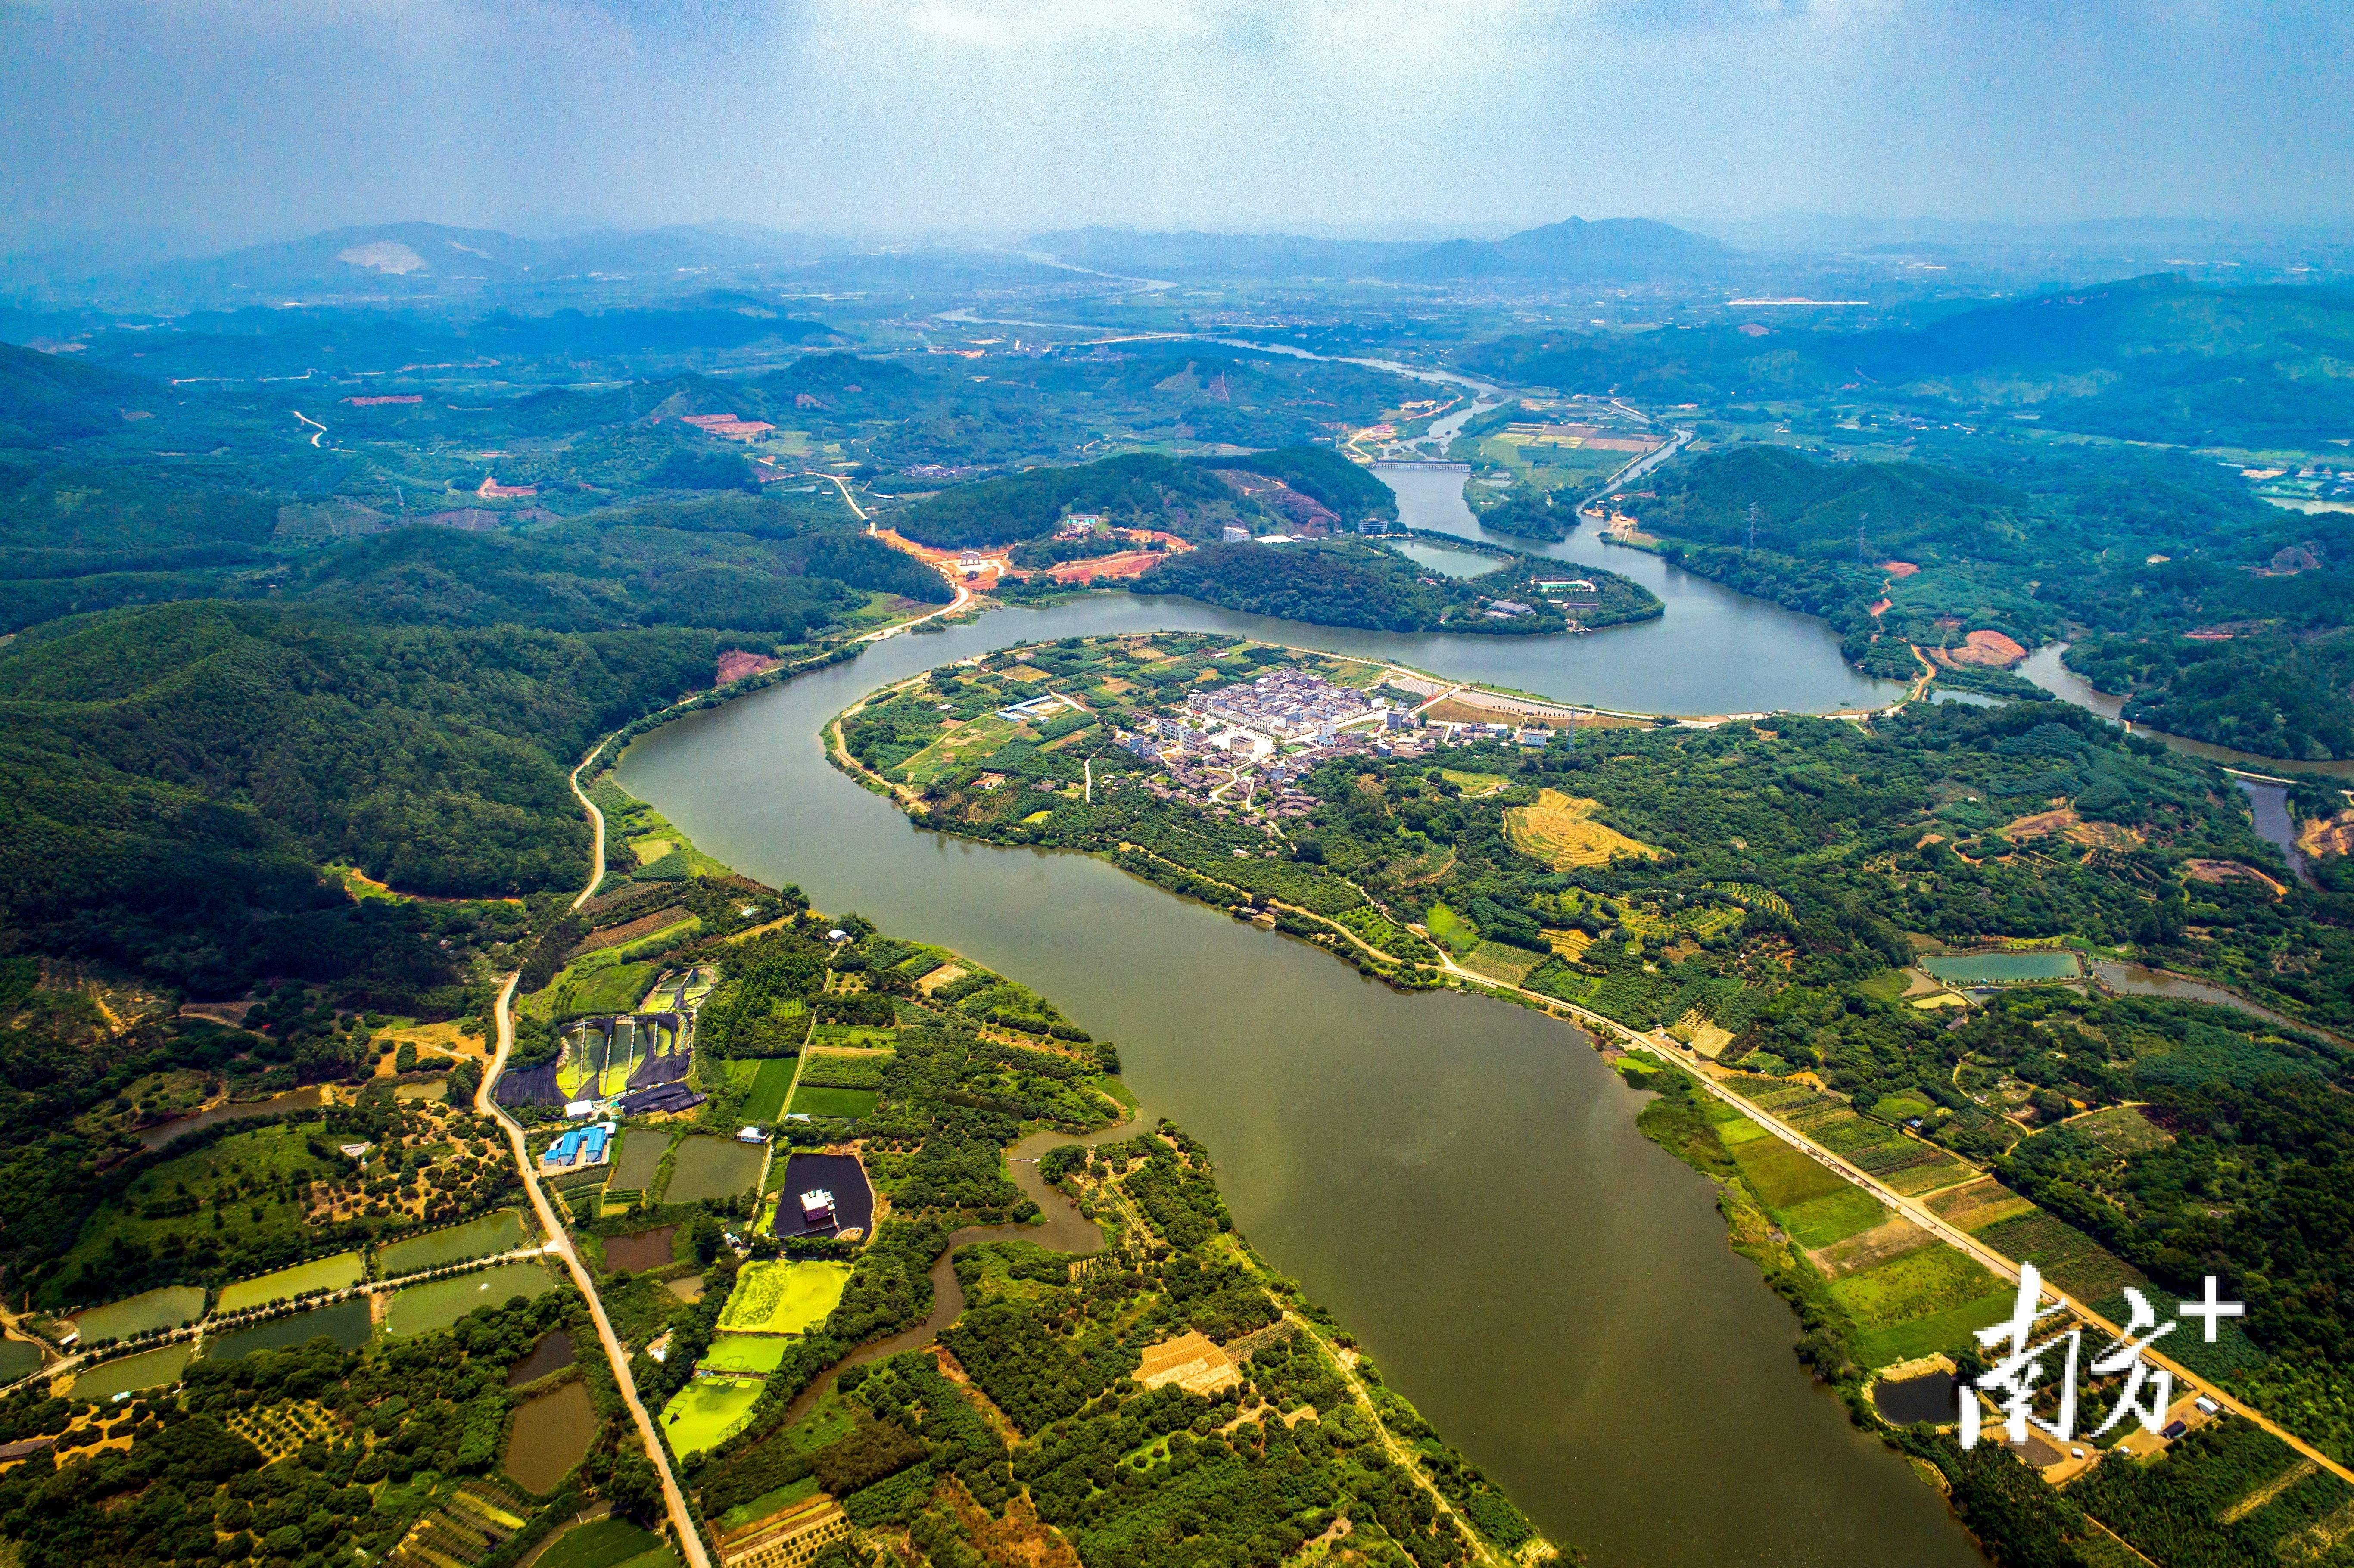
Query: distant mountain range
(1622,249)
(415,260)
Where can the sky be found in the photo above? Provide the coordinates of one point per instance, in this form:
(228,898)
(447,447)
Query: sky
(236,120)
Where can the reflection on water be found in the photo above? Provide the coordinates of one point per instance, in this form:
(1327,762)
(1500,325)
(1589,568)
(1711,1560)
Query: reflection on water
(1713,651)
(2044,668)
(2133,979)
(1460,1180)
(1451,563)
(293,1100)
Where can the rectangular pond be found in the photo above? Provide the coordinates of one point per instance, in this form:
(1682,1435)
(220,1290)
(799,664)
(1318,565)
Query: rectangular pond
(2006,969)
(713,1168)
(149,1369)
(639,1250)
(840,1174)
(499,1232)
(166,1308)
(438,1303)
(320,1274)
(643,1148)
(345,1322)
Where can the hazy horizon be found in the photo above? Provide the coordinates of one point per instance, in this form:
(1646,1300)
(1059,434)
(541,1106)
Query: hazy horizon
(232,123)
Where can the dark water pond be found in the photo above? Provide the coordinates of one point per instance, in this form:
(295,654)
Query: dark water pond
(840,1174)
(641,1250)
(157,1136)
(552,1353)
(550,1433)
(1929,1397)
(345,1322)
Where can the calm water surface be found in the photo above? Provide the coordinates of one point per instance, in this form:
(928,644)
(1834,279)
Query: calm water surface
(1460,1180)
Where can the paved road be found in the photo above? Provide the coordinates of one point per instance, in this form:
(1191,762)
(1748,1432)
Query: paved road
(690,1542)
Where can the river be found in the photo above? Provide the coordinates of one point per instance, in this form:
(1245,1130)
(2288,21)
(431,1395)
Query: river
(1460,1180)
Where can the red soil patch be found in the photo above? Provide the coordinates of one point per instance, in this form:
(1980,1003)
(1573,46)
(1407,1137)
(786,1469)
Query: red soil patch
(1126,564)
(1879,609)
(1986,647)
(491,489)
(1899,568)
(734,664)
(2229,871)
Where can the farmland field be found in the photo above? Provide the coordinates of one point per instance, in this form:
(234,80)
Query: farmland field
(783,1298)
(764,1099)
(641,1155)
(320,1274)
(1557,830)
(1832,1217)
(1925,1281)
(499,1232)
(149,1369)
(1945,1331)
(438,1303)
(849,1105)
(2066,1256)
(166,1308)
(712,1168)
(1985,1201)
(600,1544)
(1501,961)
(705,1412)
(1782,1176)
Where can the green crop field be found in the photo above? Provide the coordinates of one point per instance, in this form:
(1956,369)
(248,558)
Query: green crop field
(848,1104)
(764,1097)
(783,1298)
(438,1303)
(499,1232)
(1946,1330)
(148,1368)
(752,1354)
(1834,1216)
(1921,1283)
(600,1544)
(706,1412)
(712,1168)
(2066,1256)
(320,1274)
(166,1308)
(1782,1176)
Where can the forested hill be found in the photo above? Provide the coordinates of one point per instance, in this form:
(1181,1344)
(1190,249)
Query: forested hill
(169,776)
(1141,490)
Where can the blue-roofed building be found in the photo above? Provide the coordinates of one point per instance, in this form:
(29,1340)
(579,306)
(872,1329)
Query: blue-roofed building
(592,1144)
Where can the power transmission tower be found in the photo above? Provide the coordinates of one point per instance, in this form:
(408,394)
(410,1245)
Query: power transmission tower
(1858,536)
(1753,525)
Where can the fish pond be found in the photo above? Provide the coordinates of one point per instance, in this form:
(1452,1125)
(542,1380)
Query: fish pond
(149,1369)
(639,1250)
(2006,969)
(1929,1397)
(707,1412)
(19,1358)
(550,1433)
(438,1303)
(157,1136)
(345,1268)
(712,1168)
(554,1352)
(1450,563)
(166,1308)
(840,1174)
(500,1231)
(345,1322)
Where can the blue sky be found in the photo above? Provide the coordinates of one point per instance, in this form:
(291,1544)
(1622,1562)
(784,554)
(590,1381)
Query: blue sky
(236,118)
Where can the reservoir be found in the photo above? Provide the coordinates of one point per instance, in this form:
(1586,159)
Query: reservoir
(1460,1180)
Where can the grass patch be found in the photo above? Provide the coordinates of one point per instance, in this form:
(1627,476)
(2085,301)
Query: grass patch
(601,1543)
(1921,1283)
(764,1092)
(323,1274)
(1456,934)
(1901,1108)
(706,1412)
(1501,961)
(783,1298)
(438,1303)
(1945,1331)
(1833,1217)
(769,1502)
(848,1104)
(1783,1178)
(1888,985)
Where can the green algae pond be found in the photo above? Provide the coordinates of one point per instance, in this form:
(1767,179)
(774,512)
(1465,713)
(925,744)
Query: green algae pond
(148,1368)
(166,1308)
(500,1231)
(438,1303)
(2006,969)
(320,1274)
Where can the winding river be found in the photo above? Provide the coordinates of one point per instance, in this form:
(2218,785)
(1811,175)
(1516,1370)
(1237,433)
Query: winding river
(1460,1180)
